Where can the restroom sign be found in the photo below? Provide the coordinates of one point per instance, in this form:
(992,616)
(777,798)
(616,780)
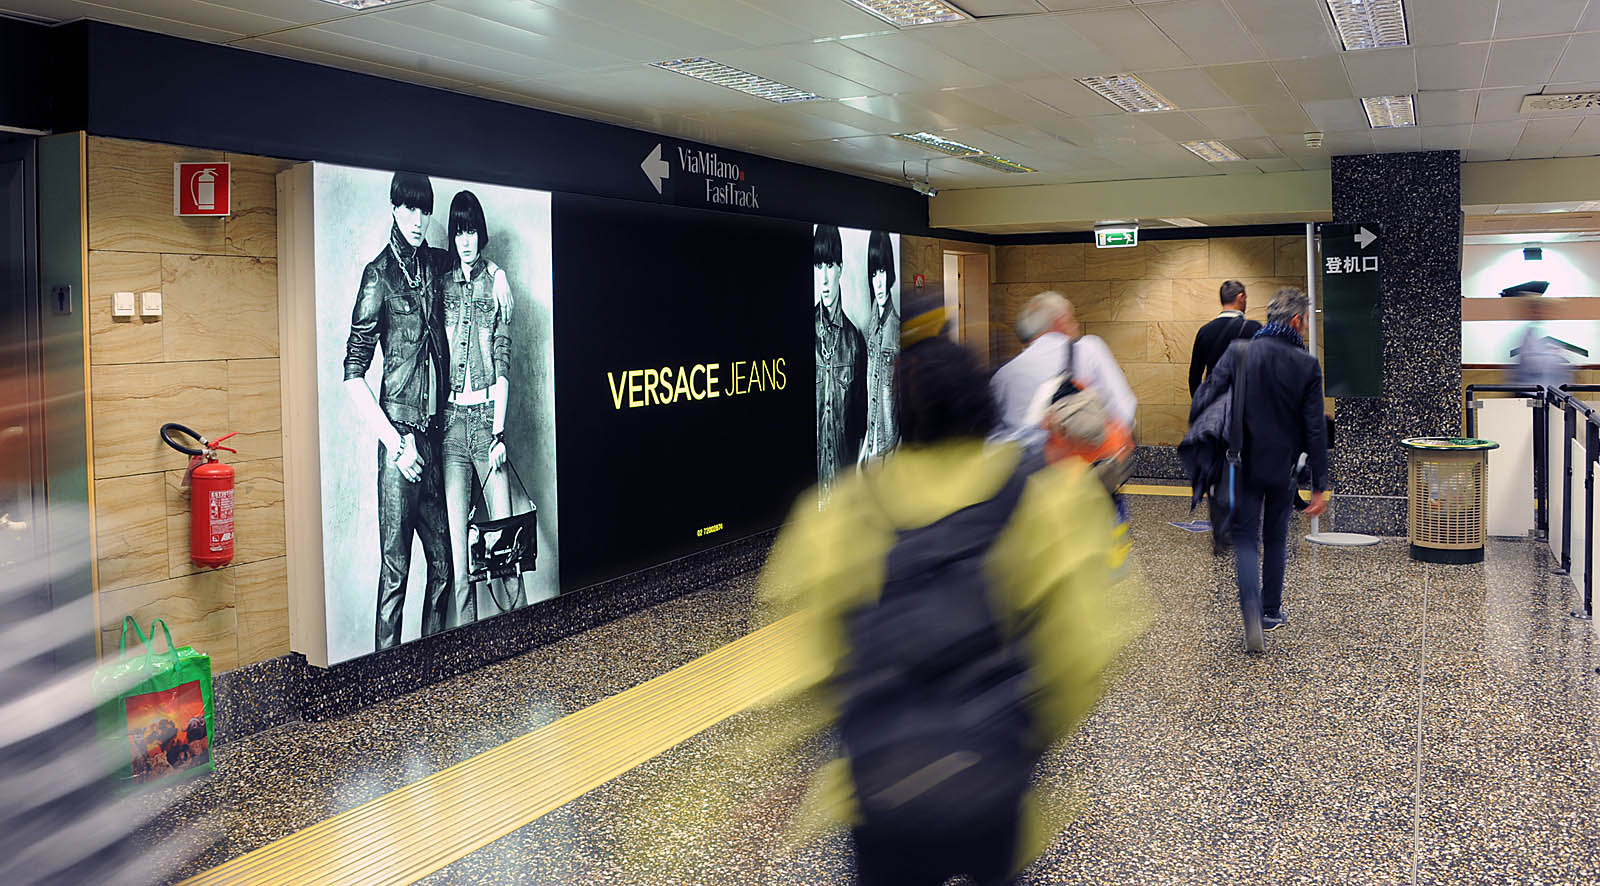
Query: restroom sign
(200,189)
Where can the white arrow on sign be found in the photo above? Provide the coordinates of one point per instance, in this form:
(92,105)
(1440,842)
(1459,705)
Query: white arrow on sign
(655,168)
(1364,237)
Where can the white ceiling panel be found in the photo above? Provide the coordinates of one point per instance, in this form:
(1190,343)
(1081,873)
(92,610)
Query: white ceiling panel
(71,10)
(1000,7)
(404,59)
(1176,126)
(1130,37)
(1280,165)
(1315,79)
(1446,108)
(1354,141)
(1442,22)
(1527,18)
(975,47)
(1445,138)
(752,25)
(836,19)
(1050,41)
(911,117)
(1591,18)
(1287,29)
(1012,104)
(953,110)
(1230,123)
(1336,114)
(1494,141)
(642,20)
(1205,30)
(539,52)
(838,58)
(1382,71)
(1496,105)
(1585,142)
(1063,5)
(849,116)
(1069,97)
(440,48)
(911,55)
(1188,88)
(1515,62)
(1252,83)
(361,64)
(774,66)
(1451,67)
(1581,61)
(1256,148)
(560,27)
(1545,137)
(1281,117)
(1407,138)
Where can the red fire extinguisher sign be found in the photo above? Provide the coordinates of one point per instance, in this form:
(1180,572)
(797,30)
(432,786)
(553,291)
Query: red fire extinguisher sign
(200,189)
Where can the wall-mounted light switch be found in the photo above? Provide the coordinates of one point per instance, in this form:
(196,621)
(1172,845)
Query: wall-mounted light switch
(150,304)
(122,304)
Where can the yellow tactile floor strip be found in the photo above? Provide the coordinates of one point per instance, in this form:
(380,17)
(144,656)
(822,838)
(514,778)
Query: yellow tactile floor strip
(1144,489)
(409,833)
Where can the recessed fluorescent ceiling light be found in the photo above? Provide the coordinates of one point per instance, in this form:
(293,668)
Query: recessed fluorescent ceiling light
(1128,93)
(1212,151)
(906,13)
(360,4)
(937,143)
(1184,222)
(1369,24)
(999,164)
(1390,111)
(733,78)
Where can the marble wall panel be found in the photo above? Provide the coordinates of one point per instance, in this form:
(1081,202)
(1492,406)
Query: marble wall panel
(1172,341)
(261,590)
(122,339)
(255,408)
(1127,341)
(1010,264)
(219,307)
(130,200)
(1060,261)
(1177,258)
(252,229)
(1141,299)
(129,403)
(1291,257)
(198,609)
(1235,258)
(130,530)
(1162,424)
(1115,264)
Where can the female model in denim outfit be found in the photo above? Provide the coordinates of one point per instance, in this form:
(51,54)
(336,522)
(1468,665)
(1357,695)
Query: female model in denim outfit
(477,307)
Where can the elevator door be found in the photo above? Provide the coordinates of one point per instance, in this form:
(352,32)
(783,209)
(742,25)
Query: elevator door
(24,582)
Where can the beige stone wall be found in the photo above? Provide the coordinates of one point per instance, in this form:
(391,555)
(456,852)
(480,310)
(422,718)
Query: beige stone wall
(1147,303)
(210,362)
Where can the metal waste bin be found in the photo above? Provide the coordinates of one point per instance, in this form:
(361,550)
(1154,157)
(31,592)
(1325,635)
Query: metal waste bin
(1448,488)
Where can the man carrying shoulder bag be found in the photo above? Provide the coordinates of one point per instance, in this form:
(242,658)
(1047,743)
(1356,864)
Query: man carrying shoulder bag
(1277,415)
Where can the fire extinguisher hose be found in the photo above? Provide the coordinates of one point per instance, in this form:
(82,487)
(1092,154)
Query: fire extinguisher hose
(206,446)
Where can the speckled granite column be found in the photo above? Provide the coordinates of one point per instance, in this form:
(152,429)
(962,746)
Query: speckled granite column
(1417,199)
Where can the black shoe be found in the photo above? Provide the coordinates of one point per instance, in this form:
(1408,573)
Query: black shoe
(1253,635)
(1272,621)
(1220,547)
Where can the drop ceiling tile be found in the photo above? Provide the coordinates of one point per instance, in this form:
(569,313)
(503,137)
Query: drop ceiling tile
(220,29)
(352,56)
(953,110)
(1315,79)
(972,46)
(1229,123)
(1516,62)
(1591,19)
(1334,114)
(1176,125)
(1256,148)
(1012,104)
(1124,128)
(849,116)
(1585,142)
(1281,117)
(1352,141)
(382,53)
(1205,30)
(1129,36)
(1498,105)
(1406,138)
(1544,138)
(1287,30)
(1382,71)
(1067,5)
(1446,138)
(1279,165)
(1251,83)
(1581,61)
(1445,22)
(1051,41)
(537,50)
(1527,18)
(907,53)
(1000,7)
(1494,141)
(817,19)
(838,58)
(910,117)
(1451,67)
(754,26)
(1187,88)
(771,64)
(1069,97)
(560,28)
(1446,108)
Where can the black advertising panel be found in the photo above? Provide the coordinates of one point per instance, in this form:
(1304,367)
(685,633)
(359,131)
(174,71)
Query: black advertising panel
(1352,290)
(684,380)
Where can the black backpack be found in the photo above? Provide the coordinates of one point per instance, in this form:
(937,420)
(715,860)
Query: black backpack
(934,720)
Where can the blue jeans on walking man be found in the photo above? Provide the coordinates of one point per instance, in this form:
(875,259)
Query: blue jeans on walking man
(1260,541)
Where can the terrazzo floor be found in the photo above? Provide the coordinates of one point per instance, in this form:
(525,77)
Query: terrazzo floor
(1412,724)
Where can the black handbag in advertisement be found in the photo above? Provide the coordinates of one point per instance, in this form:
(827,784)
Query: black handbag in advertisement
(515,548)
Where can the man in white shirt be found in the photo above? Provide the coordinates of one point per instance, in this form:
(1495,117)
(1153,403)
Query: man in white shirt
(1046,324)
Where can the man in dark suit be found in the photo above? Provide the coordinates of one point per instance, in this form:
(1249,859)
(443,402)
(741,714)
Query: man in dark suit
(1223,330)
(1282,418)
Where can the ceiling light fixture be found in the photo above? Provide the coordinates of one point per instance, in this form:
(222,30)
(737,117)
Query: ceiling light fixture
(1128,93)
(1369,24)
(1184,222)
(1212,151)
(733,78)
(938,143)
(999,164)
(1390,111)
(910,13)
(360,4)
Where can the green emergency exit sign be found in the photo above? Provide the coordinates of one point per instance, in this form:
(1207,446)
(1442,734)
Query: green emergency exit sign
(1112,238)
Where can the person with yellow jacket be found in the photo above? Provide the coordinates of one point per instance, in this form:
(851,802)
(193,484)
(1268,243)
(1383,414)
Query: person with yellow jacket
(955,616)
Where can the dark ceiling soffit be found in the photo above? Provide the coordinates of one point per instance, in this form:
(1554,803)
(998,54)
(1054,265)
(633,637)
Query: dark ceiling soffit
(1146,234)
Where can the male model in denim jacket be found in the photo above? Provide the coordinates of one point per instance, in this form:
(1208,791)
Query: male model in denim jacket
(397,308)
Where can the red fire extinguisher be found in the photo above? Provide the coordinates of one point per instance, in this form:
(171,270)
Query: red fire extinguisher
(210,485)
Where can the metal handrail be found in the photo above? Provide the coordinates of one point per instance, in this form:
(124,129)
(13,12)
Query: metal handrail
(1563,397)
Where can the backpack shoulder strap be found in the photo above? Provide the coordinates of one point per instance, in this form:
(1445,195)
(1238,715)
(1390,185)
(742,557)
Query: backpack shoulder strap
(1241,373)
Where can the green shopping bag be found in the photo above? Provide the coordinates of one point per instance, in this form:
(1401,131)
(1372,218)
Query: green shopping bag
(154,716)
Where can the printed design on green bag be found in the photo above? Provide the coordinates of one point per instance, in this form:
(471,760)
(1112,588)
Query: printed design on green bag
(167,731)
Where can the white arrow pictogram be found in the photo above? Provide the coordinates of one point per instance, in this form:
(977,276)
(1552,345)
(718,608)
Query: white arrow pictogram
(1366,238)
(655,168)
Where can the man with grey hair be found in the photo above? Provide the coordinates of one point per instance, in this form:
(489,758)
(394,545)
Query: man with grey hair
(1282,419)
(1046,325)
